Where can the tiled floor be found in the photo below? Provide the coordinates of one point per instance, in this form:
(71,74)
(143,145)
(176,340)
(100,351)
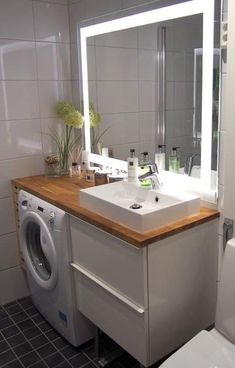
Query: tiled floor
(27,340)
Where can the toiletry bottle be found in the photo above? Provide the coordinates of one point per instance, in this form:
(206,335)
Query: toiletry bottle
(144,162)
(174,161)
(132,166)
(160,157)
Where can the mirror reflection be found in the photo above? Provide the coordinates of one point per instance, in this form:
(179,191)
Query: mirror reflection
(146,83)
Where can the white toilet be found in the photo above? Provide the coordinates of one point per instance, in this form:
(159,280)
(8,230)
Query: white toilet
(214,349)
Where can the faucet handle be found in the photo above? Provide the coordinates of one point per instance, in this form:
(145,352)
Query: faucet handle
(153,168)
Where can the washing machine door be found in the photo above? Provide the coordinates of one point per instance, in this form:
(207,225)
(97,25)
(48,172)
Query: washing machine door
(38,250)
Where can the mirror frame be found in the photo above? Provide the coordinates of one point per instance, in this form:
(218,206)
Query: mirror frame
(188,8)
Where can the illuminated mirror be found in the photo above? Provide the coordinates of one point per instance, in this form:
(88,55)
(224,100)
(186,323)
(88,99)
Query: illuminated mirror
(157,101)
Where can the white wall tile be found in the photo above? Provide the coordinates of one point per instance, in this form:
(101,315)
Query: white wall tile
(50,127)
(8,251)
(147,65)
(147,126)
(64,2)
(50,93)
(76,88)
(117,97)
(16,19)
(7,216)
(96,7)
(126,38)
(13,285)
(148,95)
(53,60)
(18,100)
(116,63)
(21,138)
(123,150)
(91,63)
(123,128)
(147,37)
(77,12)
(75,66)
(51,22)
(16,168)
(17,60)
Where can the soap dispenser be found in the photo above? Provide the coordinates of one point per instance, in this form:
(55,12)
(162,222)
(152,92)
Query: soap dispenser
(160,157)
(132,166)
(174,161)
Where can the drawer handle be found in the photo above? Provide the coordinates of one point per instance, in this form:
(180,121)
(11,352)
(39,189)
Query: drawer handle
(109,289)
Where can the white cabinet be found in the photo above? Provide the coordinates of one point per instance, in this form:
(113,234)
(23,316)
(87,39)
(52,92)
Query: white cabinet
(149,300)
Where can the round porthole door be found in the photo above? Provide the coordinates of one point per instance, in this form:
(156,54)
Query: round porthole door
(38,250)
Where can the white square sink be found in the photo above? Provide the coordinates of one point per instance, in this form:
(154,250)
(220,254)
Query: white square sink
(156,207)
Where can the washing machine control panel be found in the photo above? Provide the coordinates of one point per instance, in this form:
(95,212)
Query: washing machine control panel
(53,216)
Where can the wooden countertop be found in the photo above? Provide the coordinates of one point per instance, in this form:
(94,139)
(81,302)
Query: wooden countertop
(63,192)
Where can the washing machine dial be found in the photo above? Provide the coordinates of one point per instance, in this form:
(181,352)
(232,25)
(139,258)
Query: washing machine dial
(52,217)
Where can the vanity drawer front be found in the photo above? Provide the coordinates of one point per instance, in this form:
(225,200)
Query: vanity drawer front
(121,322)
(110,259)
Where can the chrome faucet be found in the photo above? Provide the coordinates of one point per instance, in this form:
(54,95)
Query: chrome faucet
(152,174)
(189,164)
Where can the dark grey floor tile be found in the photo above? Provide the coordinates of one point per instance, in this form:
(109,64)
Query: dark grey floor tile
(37,318)
(5,322)
(23,349)
(46,350)
(29,359)
(14,364)
(6,357)
(26,302)
(3,314)
(39,341)
(79,360)
(25,325)
(39,364)
(3,346)
(61,343)
(31,311)
(70,351)
(10,331)
(64,365)
(54,360)
(44,327)
(32,332)
(89,365)
(14,309)
(9,305)
(18,317)
(90,352)
(52,335)
(16,340)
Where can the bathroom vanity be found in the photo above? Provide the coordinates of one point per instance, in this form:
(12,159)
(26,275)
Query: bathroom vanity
(150,292)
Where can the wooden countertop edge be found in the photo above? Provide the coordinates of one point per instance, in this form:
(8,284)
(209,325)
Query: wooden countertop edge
(122,232)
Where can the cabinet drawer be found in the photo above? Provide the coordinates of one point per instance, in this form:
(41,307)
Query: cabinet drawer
(110,259)
(122,322)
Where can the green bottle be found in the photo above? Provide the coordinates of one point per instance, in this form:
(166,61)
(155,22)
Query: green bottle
(174,161)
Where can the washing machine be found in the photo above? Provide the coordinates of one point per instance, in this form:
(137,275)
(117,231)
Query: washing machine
(44,242)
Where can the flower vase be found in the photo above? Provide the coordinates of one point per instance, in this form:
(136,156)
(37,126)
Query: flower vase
(64,163)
